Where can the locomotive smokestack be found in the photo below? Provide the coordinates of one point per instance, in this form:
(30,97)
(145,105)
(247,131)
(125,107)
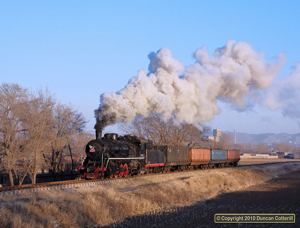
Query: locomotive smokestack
(98,134)
(98,130)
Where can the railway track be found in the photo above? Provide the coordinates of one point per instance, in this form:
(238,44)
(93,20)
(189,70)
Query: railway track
(79,183)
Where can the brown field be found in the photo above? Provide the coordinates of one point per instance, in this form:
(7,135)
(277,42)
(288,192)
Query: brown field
(111,203)
(254,161)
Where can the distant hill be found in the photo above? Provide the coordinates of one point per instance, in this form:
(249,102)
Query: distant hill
(268,138)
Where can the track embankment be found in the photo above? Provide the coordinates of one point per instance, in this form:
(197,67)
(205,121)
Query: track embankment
(104,204)
(277,196)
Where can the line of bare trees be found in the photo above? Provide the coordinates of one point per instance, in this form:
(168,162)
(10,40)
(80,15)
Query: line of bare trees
(260,148)
(37,132)
(169,133)
(166,132)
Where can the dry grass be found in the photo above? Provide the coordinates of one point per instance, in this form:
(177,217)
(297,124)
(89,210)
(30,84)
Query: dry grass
(86,207)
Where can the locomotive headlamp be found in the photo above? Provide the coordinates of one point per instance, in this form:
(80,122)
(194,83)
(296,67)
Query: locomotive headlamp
(93,150)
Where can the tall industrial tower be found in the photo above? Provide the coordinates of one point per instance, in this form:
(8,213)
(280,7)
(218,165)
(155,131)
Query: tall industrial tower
(217,134)
(234,137)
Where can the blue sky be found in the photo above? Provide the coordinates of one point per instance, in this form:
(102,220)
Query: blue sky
(81,49)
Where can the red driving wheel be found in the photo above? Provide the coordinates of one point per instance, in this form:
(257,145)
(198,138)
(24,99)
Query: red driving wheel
(121,173)
(125,172)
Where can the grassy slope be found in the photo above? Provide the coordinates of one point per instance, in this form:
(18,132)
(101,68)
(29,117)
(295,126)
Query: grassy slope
(84,207)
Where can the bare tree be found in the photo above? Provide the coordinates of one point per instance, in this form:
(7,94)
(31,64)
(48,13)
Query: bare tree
(38,124)
(67,123)
(164,133)
(76,147)
(13,102)
(243,147)
(34,131)
(209,144)
(282,147)
(226,141)
(262,148)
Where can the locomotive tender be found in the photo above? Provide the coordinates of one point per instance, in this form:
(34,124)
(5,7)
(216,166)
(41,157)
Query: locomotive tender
(113,156)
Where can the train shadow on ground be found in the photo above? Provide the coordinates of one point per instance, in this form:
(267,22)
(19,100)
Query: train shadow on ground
(279,195)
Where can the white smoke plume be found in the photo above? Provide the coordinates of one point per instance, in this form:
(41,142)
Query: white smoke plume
(234,73)
(284,94)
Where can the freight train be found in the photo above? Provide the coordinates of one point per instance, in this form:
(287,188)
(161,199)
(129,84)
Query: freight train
(119,156)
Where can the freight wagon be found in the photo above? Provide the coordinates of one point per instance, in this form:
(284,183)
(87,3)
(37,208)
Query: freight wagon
(218,158)
(199,157)
(233,157)
(176,157)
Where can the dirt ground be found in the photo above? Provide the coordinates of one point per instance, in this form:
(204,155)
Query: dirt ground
(253,161)
(279,195)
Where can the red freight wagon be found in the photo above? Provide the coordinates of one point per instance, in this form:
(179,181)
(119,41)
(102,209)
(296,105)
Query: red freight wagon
(233,156)
(199,156)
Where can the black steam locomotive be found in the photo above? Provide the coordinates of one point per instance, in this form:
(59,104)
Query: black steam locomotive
(113,156)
